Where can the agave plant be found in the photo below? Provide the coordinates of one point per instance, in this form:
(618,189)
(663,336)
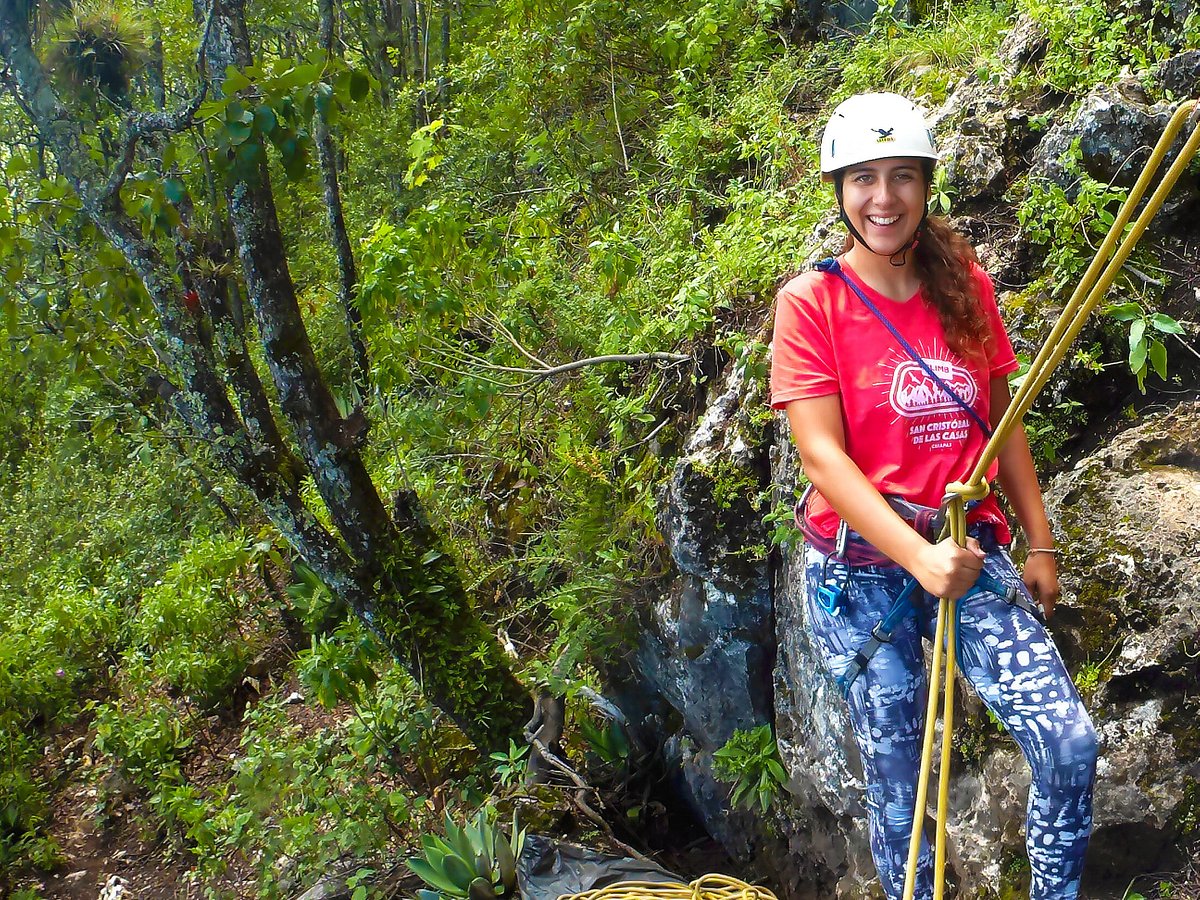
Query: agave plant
(474,862)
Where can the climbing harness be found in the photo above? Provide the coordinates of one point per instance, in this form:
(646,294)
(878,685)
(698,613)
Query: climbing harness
(707,887)
(1091,289)
(903,606)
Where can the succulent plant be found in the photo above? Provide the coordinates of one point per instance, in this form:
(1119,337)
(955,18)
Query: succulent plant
(474,862)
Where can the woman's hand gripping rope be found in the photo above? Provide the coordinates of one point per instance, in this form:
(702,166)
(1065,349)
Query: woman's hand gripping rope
(947,570)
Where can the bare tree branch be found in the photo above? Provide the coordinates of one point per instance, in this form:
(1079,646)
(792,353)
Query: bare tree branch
(139,125)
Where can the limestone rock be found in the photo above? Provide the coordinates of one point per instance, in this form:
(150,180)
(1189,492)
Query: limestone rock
(329,887)
(1180,74)
(1116,131)
(974,158)
(1131,612)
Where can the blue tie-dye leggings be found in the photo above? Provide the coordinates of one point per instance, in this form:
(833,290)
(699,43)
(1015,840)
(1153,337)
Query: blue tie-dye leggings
(1014,666)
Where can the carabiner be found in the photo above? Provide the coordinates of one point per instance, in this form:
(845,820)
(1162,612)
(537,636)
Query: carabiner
(832,592)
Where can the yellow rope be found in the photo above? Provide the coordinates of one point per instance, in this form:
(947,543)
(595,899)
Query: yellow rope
(707,887)
(1091,289)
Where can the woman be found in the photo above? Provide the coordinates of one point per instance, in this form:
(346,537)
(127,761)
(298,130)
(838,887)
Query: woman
(891,363)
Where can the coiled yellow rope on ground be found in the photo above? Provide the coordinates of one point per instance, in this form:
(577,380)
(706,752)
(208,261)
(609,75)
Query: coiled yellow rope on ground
(706,887)
(1091,290)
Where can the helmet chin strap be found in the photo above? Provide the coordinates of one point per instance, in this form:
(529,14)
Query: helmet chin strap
(902,253)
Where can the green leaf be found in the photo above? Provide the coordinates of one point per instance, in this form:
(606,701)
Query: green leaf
(1164,323)
(360,85)
(324,98)
(1124,312)
(431,556)
(210,108)
(237,132)
(434,854)
(264,119)
(17,164)
(457,838)
(434,877)
(295,164)
(234,81)
(1158,358)
(459,872)
(173,189)
(507,863)
(1137,356)
(249,154)
(360,893)
(1137,330)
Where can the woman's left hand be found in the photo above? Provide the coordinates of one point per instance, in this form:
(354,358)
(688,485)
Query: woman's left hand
(1041,577)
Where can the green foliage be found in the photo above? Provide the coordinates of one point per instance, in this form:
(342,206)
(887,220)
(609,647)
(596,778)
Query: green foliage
(423,150)
(1069,227)
(925,59)
(1047,430)
(1146,350)
(941,193)
(476,860)
(750,760)
(511,764)
(340,667)
(609,744)
(781,521)
(275,103)
(188,629)
(146,742)
(318,607)
(1091,42)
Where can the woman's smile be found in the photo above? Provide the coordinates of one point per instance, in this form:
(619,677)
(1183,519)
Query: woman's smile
(885,201)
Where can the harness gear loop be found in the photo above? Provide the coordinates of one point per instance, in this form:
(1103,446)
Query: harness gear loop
(1092,287)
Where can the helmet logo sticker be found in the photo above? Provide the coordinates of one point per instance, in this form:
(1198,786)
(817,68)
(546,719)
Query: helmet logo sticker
(885,134)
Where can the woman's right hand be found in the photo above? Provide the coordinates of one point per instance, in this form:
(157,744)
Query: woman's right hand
(948,570)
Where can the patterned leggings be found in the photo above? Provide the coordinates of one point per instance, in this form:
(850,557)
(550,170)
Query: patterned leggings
(1014,666)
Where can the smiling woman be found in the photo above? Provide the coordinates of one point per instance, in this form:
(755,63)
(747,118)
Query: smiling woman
(885,202)
(892,362)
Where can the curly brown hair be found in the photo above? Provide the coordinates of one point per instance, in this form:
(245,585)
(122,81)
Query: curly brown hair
(944,259)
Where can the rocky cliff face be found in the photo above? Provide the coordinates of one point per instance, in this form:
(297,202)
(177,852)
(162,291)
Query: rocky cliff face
(728,646)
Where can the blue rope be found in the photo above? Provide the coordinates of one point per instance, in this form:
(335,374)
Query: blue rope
(831,265)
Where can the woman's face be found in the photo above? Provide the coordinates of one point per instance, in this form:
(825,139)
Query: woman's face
(885,200)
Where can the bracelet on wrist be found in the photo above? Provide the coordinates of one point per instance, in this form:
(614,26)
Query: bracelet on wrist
(1053,551)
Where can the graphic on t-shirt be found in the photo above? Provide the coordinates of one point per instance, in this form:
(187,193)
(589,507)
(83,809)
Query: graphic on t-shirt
(935,421)
(914,393)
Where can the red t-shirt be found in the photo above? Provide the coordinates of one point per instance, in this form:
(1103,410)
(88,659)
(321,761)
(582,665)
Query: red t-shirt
(902,430)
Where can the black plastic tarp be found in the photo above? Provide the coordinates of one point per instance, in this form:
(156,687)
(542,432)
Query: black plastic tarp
(547,869)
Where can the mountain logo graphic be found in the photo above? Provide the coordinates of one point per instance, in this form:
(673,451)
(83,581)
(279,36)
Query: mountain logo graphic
(914,393)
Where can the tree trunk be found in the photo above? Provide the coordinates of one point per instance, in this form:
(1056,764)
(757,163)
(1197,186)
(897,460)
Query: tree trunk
(347,271)
(444,75)
(397,578)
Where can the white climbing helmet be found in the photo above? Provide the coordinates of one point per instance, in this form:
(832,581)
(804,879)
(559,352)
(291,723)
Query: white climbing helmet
(874,126)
